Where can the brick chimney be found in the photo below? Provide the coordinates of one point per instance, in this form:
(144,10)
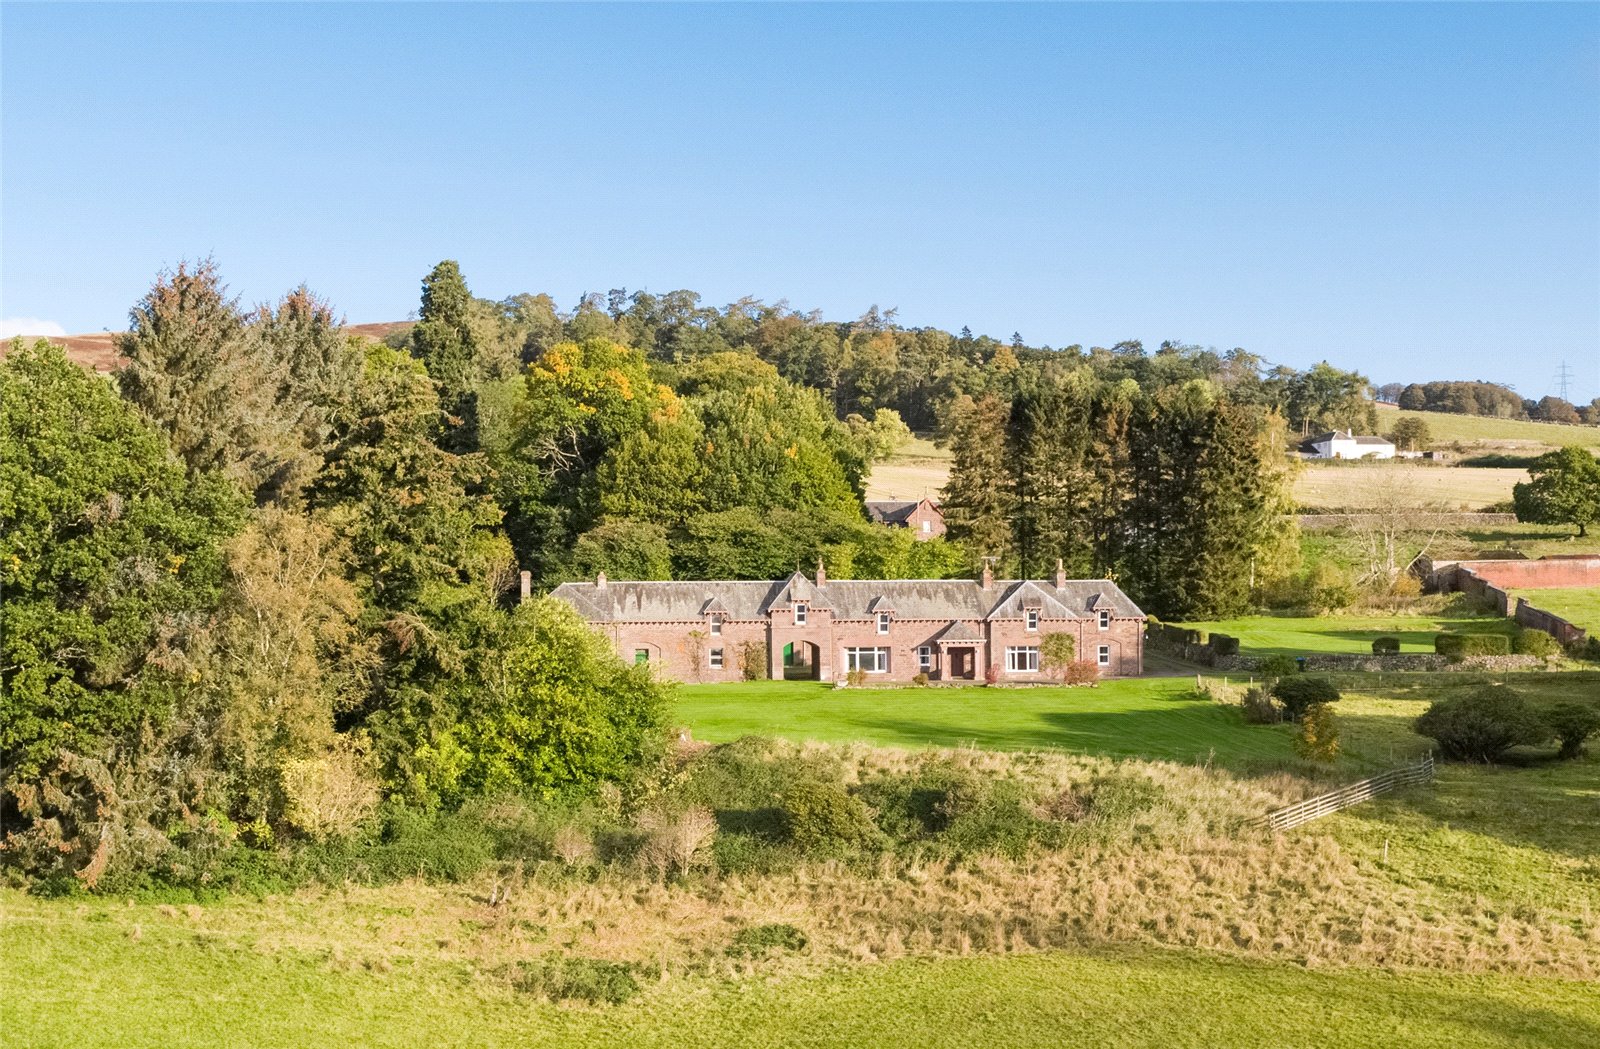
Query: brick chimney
(988,574)
(600,581)
(822,573)
(1061,575)
(527,585)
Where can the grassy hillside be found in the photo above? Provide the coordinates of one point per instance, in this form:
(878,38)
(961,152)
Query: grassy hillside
(1477,432)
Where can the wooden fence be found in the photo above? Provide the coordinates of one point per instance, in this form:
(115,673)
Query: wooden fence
(1352,794)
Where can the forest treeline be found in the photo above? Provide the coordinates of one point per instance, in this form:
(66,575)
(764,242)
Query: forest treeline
(260,583)
(1488,399)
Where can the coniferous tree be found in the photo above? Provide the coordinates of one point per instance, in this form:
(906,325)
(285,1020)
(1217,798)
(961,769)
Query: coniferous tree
(444,340)
(979,500)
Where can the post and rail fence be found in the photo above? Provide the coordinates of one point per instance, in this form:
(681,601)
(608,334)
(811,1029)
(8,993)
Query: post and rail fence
(1348,795)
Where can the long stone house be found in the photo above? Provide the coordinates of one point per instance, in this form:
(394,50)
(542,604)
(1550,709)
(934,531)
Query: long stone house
(892,630)
(922,516)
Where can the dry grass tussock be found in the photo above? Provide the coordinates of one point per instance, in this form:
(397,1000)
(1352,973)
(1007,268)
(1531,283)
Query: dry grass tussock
(1181,872)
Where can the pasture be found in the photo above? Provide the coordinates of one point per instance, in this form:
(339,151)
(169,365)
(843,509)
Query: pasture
(1478,433)
(1305,635)
(1146,717)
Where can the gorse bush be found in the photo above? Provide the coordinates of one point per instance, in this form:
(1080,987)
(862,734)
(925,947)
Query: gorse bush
(824,818)
(1482,725)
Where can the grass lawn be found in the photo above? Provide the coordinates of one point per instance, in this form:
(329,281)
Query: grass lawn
(1579,605)
(1145,717)
(101,974)
(1300,635)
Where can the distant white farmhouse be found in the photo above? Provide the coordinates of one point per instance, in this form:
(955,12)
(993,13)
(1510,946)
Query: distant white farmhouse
(1342,444)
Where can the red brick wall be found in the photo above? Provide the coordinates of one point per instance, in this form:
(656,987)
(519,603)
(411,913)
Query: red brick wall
(1543,574)
(926,512)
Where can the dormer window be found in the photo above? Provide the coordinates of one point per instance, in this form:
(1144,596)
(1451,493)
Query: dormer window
(883,622)
(1105,619)
(1032,618)
(716,626)
(800,610)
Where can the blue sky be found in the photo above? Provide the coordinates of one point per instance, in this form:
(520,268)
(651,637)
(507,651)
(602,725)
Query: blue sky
(1410,190)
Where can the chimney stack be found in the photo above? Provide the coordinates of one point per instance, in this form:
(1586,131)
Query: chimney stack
(822,573)
(527,585)
(1061,575)
(600,581)
(988,574)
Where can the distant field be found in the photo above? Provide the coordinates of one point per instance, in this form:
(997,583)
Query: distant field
(922,468)
(1579,606)
(919,468)
(1297,636)
(1149,717)
(1352,485)
(1444,427)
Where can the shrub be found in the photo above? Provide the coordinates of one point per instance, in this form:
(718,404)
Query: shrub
(1587,649)
(1318,738)
(1277,666)
(1482,725)
(855,678)
(753,660)
(1328,588)
(757,940)
(1259,709)
(329,795)
(1057,652)
(1299,694)
(579,979)
(1082,672)
(1224,644)
(823,817)
(1456,647)
(1527,642)
(675,846)
(1385,646)
(920,679)
(1573,724)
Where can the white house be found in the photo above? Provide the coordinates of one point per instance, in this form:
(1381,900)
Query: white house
(1342,444)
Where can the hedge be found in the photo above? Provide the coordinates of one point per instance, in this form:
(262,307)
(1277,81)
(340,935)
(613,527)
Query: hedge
(1385,646)
(1460,646)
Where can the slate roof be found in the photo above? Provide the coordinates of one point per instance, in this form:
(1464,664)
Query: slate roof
(948,599)
(891,511)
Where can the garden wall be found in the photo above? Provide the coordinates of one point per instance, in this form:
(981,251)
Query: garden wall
(1411,661)
(1489,581)
(1538,619)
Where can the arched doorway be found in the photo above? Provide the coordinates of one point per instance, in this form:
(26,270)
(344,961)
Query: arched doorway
(800,661)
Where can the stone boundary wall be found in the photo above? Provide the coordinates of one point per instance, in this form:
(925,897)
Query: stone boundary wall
(1414,662)
(1320,522)
(1489,581)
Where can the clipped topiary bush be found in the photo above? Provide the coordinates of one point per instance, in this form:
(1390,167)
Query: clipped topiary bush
(1527,642)
(1299,694)
(1482,725)
(1456,647)
(1224,644)
(1385,646)
(1082,673)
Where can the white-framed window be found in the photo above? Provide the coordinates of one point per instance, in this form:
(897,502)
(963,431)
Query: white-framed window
(1103,655)
(1032,618)
(716,626)
(927,526)
(800,610)
(716,659)
(871,660)
(1022,659)
(925,658)
(1105,619)
(883,622)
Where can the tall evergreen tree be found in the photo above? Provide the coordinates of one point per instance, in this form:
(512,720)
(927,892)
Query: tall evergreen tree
(444,340)
(193,371)
(979,500)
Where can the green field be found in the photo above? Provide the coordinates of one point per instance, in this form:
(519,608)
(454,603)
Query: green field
(1148,717)
(83,978)
(1475,430)
(1579,605)
(1298,636)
